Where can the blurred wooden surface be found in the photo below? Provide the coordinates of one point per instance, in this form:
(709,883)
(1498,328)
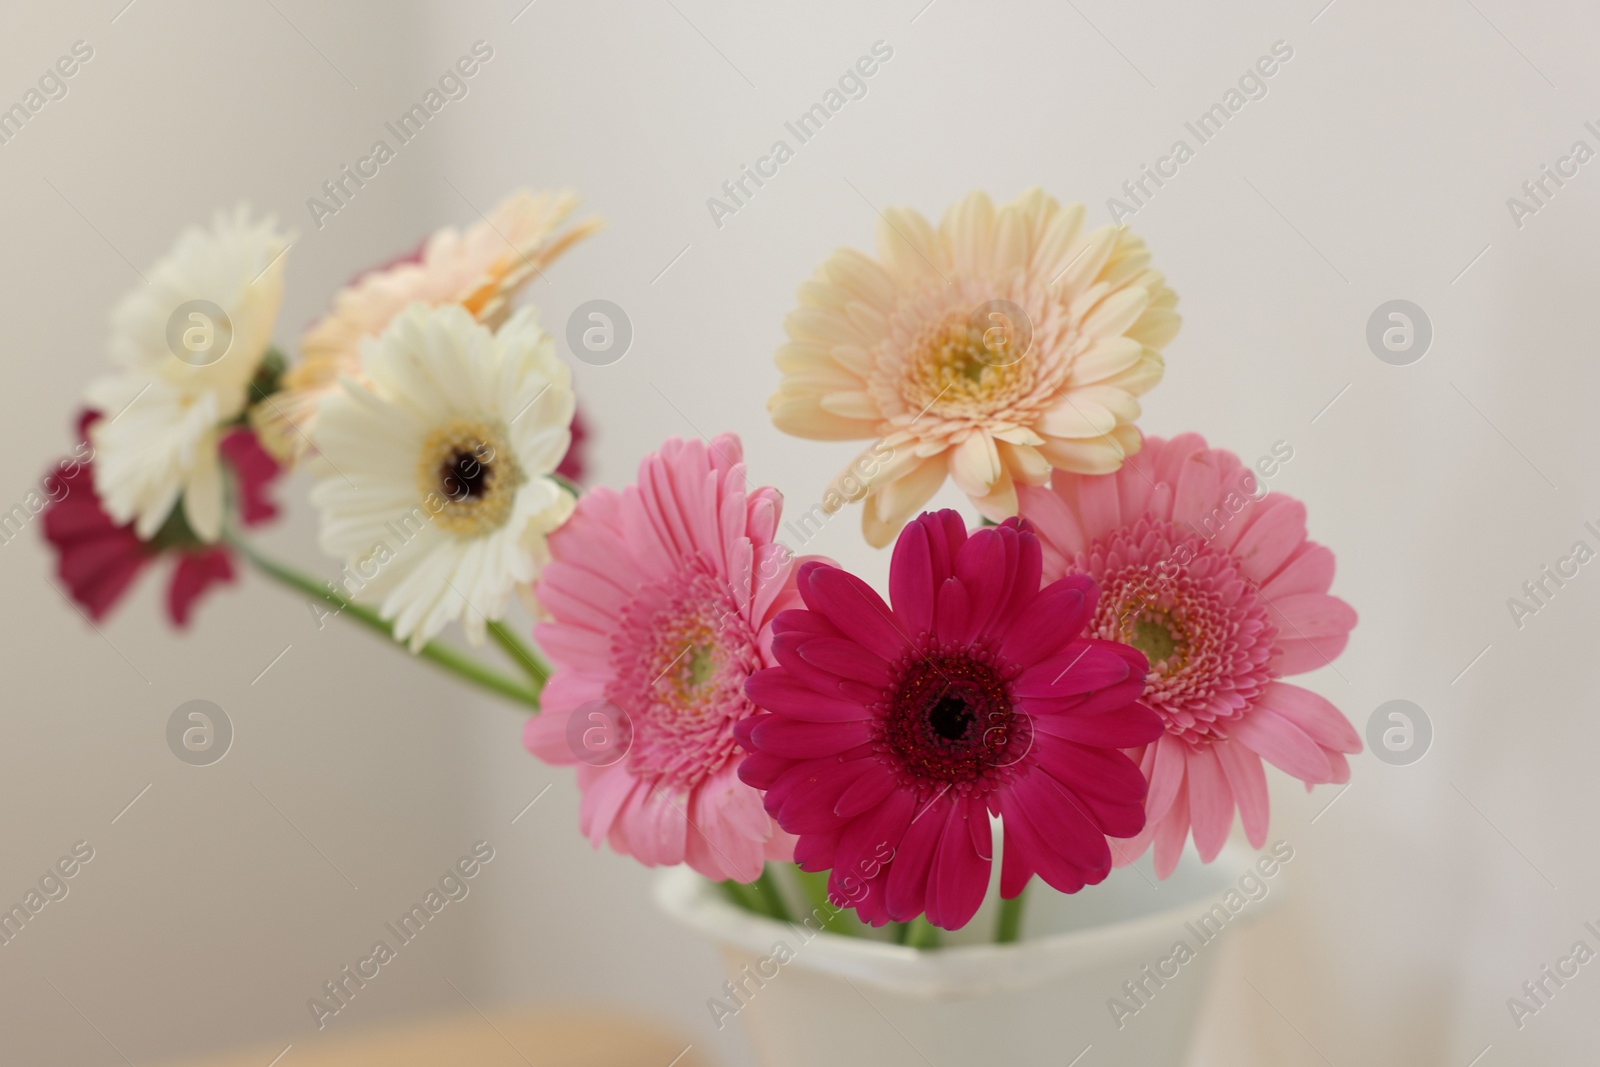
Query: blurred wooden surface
(545,1038)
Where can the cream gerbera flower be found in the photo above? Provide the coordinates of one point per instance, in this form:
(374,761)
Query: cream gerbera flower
(904,349)
(481,269)
(183,371)
(437,488)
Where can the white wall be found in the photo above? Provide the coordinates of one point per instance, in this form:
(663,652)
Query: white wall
(1380,162)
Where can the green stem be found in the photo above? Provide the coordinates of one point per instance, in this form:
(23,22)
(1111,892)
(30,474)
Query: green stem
(744,897)
(526,658)
(814,884)
(767,886)
(442,656)
(1008,926)
(920,933)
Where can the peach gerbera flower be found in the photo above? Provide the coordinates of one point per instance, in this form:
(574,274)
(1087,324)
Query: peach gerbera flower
(1001,345)
(481,269)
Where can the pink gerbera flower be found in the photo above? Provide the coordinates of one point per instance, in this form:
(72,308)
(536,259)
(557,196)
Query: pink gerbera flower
(1220,589)
(661,600)
(976,695)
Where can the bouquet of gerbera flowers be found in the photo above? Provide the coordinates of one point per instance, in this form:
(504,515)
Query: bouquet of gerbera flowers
(1092,668)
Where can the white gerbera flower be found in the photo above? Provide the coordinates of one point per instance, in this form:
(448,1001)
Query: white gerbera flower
(186,346)
(437,488)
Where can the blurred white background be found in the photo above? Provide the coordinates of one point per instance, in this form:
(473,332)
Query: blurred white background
(1377,167)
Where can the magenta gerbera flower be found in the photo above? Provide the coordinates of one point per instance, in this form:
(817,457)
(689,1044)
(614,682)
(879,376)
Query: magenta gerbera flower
(1216,583)
(977,694)
(660,601)
(97,558)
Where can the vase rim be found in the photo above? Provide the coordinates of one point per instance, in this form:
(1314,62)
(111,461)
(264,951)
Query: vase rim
(958,970)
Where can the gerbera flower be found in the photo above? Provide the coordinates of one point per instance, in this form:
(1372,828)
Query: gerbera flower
(437,487)
(907,349)
(97,558)
(661,600)
(164,414)
(1220,589)
(480,269)
(976,695)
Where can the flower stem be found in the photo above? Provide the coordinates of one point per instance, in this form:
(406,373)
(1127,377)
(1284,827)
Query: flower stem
(744,897)
(767,886)
(538,670)
(442,656)
(814,884)
(920,933)
(1008,927)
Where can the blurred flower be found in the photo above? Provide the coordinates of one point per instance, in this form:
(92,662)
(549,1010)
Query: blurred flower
(97,558)
(436,486)
(216,296)
(1217,585)
(481,270)
(661,600)
(976,695)
(574,465)
(1003,344)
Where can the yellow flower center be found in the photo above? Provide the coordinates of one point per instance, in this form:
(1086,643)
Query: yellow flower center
(958,370)
(1157,633)
(468,477)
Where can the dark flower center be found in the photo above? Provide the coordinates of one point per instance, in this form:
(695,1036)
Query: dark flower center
(464,476)
(467,478)
(949,719)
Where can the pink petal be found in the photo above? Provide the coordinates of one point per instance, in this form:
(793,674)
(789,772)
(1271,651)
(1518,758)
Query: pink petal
(1101,784)
(1025,581)
(1277,527)
(1080,668)
(1055,522)
(907,889)
(1124,727)
(195,573)
(845,659)
(1167,772)
(953,610)
(1297,657)
(959,876)
(866,792)
(1308,616)
(1170,835)
(911,579)
(775,689)
(1282,744)
(1099,508)
(1052,618)
(793,739)
(1210,802)
(1309,570)
(1248,780)
(1195,489)
(856,609)
(603,800)
(1315,715)
(981,566)
(1055,837)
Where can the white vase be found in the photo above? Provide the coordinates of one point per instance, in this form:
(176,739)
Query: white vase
(1047,1000)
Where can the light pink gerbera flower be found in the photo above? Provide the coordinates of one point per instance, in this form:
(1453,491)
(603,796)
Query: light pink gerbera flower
(900,731)
(661,600)
(1004,343)
(1220,589)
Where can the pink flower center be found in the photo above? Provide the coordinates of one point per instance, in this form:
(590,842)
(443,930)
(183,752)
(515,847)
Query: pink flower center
(947,721)
(681,659)
(1198,620)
